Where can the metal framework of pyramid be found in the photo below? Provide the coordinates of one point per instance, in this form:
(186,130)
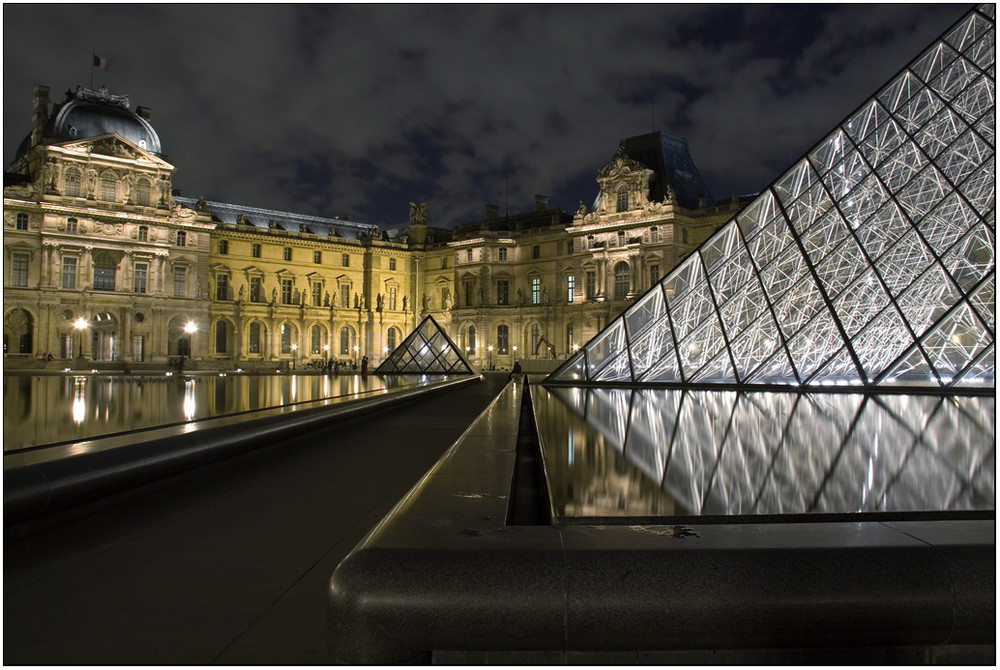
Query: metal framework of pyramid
(427,350)
(869,263)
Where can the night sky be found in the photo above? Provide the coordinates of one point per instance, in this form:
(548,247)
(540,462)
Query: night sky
(359,109)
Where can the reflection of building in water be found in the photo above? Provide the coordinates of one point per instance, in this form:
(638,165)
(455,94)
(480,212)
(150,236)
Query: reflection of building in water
(104,260)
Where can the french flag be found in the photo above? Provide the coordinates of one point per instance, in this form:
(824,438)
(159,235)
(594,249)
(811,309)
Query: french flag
(102,63)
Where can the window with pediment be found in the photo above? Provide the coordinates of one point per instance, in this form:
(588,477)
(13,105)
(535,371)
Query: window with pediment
(71,183)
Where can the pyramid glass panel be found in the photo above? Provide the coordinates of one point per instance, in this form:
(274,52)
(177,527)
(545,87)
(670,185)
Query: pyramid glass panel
(869,261)
(426,350)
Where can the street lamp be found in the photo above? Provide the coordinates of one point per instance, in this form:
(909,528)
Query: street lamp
(295,354)
(80,324)
(490,349)
(190,327)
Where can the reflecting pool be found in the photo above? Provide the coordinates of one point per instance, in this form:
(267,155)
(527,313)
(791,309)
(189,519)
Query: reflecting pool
(619,452)
(49,409)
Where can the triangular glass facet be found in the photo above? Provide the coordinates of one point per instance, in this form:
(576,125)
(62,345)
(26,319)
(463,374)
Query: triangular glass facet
(880,238)
(426,350)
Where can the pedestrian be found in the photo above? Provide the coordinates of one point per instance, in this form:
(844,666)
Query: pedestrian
(516,370)
(364,367)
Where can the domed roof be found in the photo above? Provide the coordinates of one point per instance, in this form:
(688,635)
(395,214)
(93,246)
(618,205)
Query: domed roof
(86,113)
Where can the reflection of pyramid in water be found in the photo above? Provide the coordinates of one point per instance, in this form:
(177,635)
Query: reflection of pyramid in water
(869,263)
(426,350)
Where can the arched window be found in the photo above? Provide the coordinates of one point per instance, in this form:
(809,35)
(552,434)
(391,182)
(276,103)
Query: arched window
(316,344)
(72,183)
(470,341)
(503,339)
(286,338)
(622,199)
(109,187)
(345,340)
(253,345)
(142,192)
(390,339)
(621,280)
(621,238)
(654,235)
(221,336)
(104,272)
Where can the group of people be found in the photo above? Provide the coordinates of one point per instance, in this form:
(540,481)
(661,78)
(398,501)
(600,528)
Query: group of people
(332,366)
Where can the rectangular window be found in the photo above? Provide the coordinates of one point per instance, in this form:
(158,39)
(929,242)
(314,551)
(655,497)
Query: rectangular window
(468,255)
(570,288)
(255,250)
(345,295)
(392,297)
(221,287)
(591,285)
(286,291)
(19,269)
(317,336)
(502,253)
(503,339)
(317,290)
(536,290)
(392,264)
(254,338)
(345,260)
(654,235)
(256,295)
(66,346)
(503,292)
(71,226)
(469,290)
(181,238)
(654,273)
(286,338)
(287,254)
(139,278)
(180,282)
(22,221)
(138,349)
(143,233)
(223,247)
(69,272)
(317,257)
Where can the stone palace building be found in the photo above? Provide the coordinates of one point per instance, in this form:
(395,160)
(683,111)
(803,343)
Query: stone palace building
(105,263)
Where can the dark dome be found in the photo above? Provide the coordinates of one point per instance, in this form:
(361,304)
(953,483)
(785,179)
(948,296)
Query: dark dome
(86,113)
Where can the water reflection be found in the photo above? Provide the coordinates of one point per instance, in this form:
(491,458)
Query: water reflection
(49,409)
(661,452)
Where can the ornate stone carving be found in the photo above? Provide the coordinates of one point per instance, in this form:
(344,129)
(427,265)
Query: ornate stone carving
(418,213)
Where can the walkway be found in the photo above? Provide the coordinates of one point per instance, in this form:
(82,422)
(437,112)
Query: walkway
(230,564)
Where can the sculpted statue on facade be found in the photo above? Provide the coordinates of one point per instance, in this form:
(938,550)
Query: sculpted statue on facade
(418,213)
(404,303)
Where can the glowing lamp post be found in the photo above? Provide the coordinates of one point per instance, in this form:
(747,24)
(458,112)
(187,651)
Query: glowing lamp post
(295,355)
(490,349)
(355,353)
(80,325)
(190,327)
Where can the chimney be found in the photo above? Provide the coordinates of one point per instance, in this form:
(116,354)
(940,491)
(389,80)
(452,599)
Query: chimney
(541,203)
(41,114)
(491,212)
(144,112)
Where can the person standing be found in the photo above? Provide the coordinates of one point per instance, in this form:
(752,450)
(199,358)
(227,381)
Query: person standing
(364,367)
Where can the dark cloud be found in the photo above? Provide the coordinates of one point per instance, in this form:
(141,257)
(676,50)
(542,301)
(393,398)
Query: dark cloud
(358,109)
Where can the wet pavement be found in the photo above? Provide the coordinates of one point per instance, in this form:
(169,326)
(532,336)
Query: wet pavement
(228,564)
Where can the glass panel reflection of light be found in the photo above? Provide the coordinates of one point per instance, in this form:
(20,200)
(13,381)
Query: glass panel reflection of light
(668,452)
(79,399)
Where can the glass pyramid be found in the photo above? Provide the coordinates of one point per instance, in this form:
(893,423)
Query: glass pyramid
(427,350)
(869,263)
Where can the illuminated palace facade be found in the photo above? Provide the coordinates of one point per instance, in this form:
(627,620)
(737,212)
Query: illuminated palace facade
(105,262)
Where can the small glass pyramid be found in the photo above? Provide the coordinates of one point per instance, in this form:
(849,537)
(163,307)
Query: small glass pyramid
(427,350)
(869,263)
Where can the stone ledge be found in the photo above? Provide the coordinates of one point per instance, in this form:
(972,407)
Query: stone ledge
(44,480)
(444,572)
